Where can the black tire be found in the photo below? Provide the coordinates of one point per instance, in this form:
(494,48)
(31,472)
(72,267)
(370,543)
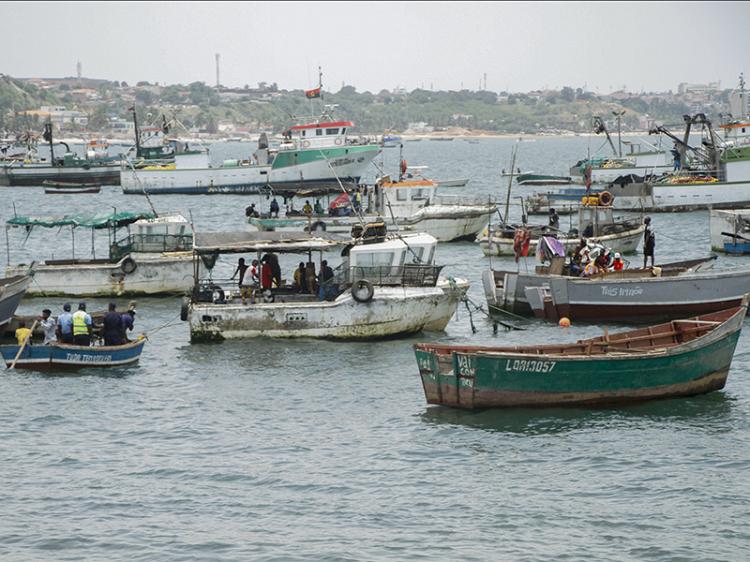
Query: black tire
(318,226)
(128,266)
(363,291)
(184,309)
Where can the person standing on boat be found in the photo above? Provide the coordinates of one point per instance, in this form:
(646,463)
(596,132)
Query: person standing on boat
(49,326)
(649,242)
(300,278)
(307,208)
(82,326)
(126,324)
(112,327)
(327,290)
(677,159)
(241,269)
(318,208)
(65,325)
(274,208)
(554,219)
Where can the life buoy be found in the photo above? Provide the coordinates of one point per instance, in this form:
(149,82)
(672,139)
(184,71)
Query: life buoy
(318,226)
(128,266)
(268,296)
(339,142)
(184,309)
(362,291)
(605,198)
(306,143)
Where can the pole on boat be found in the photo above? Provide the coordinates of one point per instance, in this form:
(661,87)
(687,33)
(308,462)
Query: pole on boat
(23,345)
(619,115)
(510,183)
(73,238)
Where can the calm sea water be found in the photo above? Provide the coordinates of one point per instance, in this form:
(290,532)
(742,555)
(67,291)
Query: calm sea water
(308,450)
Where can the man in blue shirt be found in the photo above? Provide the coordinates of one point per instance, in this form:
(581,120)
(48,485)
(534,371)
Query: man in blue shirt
(65,325)
(112,328)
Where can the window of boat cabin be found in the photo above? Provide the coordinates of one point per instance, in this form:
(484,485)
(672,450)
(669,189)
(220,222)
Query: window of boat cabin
(334,131)
(419,194)
(401,194)
(304,132)
(374,259)
(343,130)
(318,132)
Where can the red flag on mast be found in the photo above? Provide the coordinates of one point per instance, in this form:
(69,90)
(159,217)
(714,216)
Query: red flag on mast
(314,93)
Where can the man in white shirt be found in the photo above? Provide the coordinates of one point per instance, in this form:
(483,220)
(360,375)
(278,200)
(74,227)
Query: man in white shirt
(49,326)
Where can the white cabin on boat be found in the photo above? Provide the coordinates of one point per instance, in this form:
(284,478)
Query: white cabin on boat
(316,135)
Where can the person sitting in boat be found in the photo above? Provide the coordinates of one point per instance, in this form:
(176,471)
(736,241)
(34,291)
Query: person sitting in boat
(82,326)
(307,208)
(274,208)
(251,212)
(588,232)
(554,219)
(300,278)
(49,326)
(327,289)
(590,269)
(23,333)
(65,325)
(112,326)
(618,264)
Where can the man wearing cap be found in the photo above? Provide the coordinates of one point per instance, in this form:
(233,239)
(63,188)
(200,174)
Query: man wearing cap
(65,325)
(618,264)
(82,326)
(112,327)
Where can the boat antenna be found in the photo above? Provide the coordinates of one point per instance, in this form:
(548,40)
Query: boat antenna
(47,135)
(137,133)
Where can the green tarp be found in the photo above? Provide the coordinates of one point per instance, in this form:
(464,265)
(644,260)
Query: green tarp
(85,220)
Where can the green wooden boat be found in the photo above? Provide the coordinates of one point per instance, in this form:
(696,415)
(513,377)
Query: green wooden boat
(678,358)
(542,179)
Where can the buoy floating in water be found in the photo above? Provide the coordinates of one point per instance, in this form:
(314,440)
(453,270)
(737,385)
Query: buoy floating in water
(564,322)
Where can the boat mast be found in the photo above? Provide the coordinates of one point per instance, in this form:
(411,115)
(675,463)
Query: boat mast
(510,183)
(618,115)
(137,134)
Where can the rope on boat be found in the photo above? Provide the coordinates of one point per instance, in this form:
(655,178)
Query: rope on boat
(472,307)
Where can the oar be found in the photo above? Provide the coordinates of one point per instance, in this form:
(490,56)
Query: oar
(23,345)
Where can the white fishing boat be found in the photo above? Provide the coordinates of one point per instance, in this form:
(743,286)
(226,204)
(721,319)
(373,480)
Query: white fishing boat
(730,230)
(155,257)
(12,290)
(411,205)
(318,155)
(596,223)
(385,286)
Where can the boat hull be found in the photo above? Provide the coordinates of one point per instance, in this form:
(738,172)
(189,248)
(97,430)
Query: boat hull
(645,299)
(71,357)
(305,170)
(447,223)
(504,379)
(12,291)
(392,312)
(155,274)
(35,176)
(624,242)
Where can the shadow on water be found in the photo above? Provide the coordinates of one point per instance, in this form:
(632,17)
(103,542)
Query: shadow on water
(700,411)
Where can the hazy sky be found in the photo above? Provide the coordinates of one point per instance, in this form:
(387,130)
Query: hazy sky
(521,46)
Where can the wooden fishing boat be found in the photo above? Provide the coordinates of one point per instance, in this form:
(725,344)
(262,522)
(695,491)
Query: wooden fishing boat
(70,187)
(618,298)
(542,179)
(679,358)
(70,357)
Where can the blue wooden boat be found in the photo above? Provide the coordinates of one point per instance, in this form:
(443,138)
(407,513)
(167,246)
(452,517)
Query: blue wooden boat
(70,357)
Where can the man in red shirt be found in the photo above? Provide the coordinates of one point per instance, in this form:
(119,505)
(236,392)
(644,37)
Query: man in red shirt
(618,264)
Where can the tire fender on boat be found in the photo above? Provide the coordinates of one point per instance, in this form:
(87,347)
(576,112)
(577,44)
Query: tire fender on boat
(362,291)
(306,144)
(338,142)
(128,266)
(318,226)
(184,309)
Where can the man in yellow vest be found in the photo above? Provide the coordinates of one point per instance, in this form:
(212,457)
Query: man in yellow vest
(82,326)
